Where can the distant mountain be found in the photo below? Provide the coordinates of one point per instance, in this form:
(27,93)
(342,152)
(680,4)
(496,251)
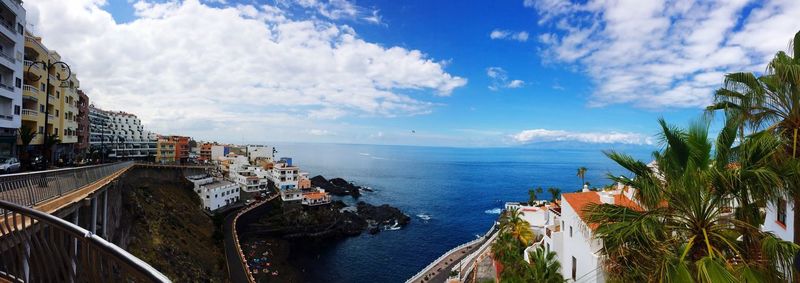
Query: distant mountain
(572,145)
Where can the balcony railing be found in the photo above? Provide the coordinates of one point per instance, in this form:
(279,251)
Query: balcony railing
(8,26)
(6,87)
(38,247)
(30,112)
(30,88)
(9,57)
(29,63)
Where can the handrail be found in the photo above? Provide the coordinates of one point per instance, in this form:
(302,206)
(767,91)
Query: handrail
(32,188)
(40,247)
(446,254)
(236,244)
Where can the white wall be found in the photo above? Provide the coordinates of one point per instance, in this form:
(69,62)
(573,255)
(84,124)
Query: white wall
(771,224)
(580,245)
(220,195)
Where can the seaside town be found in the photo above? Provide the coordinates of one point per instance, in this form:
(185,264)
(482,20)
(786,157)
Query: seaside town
(90,194)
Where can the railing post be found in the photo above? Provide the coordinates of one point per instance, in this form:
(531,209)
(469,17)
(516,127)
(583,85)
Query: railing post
(74,246)
(93,224)
(26,268)
(31,196)
(105,214)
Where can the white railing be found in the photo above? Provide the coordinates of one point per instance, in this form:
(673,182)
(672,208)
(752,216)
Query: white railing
(30,88)
(445,255)
(9,57)
(30,112)
(469,260)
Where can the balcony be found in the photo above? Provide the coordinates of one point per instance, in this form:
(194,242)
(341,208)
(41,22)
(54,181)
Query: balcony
(6,87)
(29,63)
(8,57)
(30,113)
(31,89)
(8,26)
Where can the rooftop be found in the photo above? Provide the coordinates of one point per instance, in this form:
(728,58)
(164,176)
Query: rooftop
(217,184)
(579,202)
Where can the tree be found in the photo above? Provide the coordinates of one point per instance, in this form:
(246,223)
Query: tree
(533,195)
(26,136)
(49,142)
(582,175)
(681,232)
(555,192)
(770,102)
(511,222)
(544,267)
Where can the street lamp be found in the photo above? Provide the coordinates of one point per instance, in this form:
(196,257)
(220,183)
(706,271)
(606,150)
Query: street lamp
(47,66)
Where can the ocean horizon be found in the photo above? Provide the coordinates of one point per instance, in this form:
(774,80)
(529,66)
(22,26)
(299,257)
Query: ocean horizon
(452,194)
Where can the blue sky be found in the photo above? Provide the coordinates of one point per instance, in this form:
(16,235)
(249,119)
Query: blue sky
(587,71)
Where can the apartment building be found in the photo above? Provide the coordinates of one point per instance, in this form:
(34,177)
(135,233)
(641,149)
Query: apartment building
(120,135)
(83,123)
(172,149)
(205,152)
(50,95)
(215,193)
(260,152)
(12,46)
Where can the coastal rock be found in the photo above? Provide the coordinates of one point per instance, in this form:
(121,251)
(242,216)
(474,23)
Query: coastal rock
(384,216)
(336,186)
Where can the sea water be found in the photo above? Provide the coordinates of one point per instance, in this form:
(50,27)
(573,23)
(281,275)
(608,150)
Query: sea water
(452,195)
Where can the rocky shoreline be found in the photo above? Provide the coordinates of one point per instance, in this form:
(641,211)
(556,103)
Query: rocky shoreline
(283,224)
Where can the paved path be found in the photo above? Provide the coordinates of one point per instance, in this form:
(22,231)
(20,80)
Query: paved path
(236,270)
(441,271)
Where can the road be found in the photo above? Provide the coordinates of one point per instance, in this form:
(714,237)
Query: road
(441,271)
(236,270)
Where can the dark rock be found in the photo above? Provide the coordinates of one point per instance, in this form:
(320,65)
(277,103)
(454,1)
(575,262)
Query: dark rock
(336,186)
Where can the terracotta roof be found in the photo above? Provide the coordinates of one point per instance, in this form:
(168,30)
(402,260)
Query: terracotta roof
(579,201)
(315,195)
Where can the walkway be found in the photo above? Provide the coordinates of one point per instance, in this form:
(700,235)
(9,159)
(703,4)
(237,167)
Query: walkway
(441,271)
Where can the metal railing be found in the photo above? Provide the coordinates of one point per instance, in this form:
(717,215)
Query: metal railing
(38,247)
(30,189)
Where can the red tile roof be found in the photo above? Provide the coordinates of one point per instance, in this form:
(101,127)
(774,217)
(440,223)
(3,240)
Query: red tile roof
(579,201)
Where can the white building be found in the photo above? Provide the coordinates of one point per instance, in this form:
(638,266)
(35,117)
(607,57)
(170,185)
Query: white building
(780,219)
(285,175)
(215,193)
(121,134)
(316,197)
(537,214)
(567,233)
(12,50)
(219,151)
(262,152)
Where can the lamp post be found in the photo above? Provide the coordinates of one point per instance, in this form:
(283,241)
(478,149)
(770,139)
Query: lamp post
(47,66)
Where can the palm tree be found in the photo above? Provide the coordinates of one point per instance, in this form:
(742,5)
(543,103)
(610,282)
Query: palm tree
(682,232)
(582,175)
(544,267)
(555,192)
(26,136)
(511,222)
(532,195)
(770,102)
(49,142)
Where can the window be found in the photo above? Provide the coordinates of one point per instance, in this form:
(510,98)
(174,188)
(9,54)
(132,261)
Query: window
(41,108)
(16,109)
(58,94)
(574,268)
(41,129)
(20,28)
(43,88)
(782,212)
(18,82)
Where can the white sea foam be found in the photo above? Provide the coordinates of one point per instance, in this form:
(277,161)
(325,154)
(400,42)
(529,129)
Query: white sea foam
(424,216)
(494,211)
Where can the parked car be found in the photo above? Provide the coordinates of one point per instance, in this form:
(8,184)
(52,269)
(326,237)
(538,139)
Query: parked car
(9,164)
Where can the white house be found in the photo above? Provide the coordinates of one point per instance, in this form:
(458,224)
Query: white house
(285,175)
(219,151)
(263,152)
(780,219)
(215,193)
(566,232)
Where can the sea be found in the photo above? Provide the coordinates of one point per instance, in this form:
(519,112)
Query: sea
(452,194)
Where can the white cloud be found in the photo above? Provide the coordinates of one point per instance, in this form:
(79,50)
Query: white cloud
(656,54)
(498,78)
(521,36)
(318,132)
(543,135)
(185,67)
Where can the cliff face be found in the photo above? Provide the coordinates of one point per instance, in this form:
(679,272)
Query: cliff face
(162,223)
